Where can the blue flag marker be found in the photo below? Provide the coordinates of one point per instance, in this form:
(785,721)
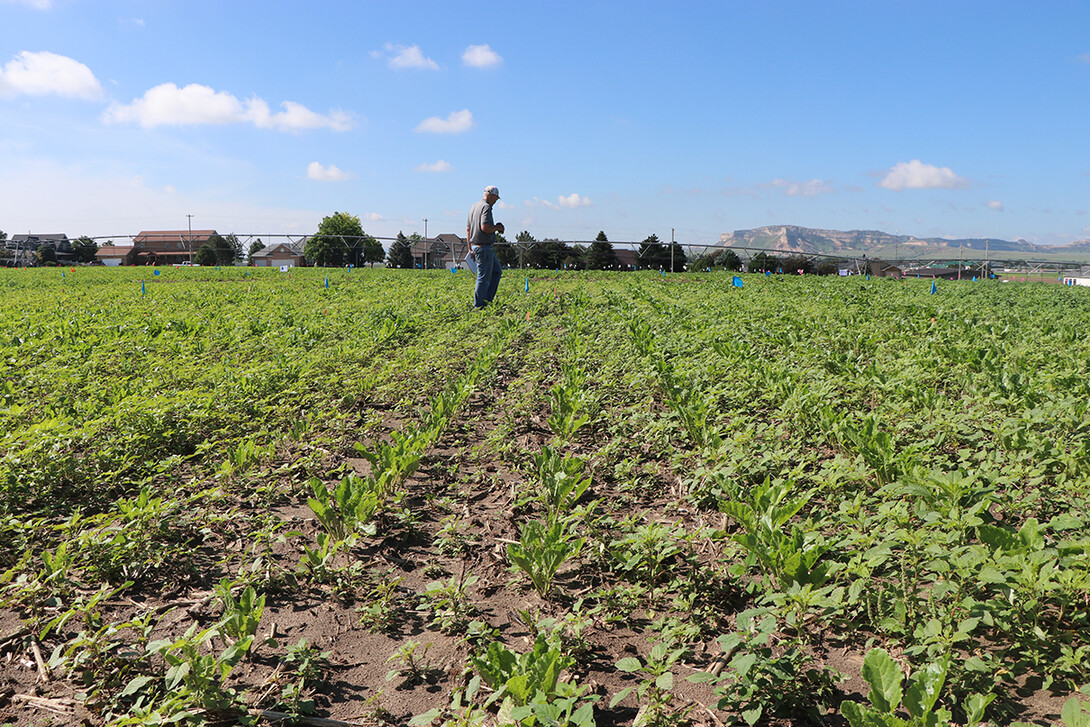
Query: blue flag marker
(934,288)
(737,282)
(868,276)
(142,290)
(327,281)
(156,272)
(527,285)
(768,273)
(974,278)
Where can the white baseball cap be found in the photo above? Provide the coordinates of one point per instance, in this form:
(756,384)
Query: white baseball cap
(492,189)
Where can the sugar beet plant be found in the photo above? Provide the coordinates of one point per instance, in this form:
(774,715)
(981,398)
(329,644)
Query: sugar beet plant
(910,466)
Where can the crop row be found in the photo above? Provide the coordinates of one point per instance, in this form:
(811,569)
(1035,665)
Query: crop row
(731,482)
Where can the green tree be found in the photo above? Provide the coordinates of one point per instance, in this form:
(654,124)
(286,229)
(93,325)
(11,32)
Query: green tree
(236,249)
(84,249)
(600,255)
(524,244)
(221,247)
(206,255)
(340,240)
(506,253)
(793,264)
(372,250)
(255,246)
(576,259)
(46,254)
(652,254)
(729,260)
(675,256)
(763,262)
(549,254)
(401,254)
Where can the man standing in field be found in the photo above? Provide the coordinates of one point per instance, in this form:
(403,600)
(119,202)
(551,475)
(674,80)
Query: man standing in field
(481,235)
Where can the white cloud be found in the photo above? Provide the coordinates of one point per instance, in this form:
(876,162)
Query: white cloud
(326,174)
(409,57)
(166,104)
(439,166)
(803,189)
(1085,58)
(45,73)
(917,175)
(455,123)
(994,204)
(373,217)
(573,200)
(481,56)
(296,117)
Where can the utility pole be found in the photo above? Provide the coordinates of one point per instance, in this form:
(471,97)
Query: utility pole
(425,243)
(671,249)
(189,242)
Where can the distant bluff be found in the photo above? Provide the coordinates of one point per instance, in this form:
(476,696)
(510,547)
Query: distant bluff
(793,239)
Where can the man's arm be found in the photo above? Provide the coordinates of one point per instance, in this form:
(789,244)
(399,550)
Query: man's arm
(487,225)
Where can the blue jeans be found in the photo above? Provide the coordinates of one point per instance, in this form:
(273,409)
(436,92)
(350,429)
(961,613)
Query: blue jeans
(488,275)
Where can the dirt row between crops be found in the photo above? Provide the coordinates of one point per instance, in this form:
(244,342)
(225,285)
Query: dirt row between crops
(482,487)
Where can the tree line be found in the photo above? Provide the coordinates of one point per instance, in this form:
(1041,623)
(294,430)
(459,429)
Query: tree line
(529,252)
(341,241)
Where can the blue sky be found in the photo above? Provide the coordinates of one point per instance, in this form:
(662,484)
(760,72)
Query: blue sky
(955,119)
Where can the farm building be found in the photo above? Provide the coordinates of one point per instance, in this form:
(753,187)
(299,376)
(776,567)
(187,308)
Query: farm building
(116,255)
(942,273)
(23,247)
(441,252)
(280,254)
(882,269)
(165,247)
(626,257)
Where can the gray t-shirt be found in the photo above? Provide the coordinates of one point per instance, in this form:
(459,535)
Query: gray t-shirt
(480,214)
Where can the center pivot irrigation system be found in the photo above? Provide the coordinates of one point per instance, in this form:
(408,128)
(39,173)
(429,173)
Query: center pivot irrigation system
(858,263)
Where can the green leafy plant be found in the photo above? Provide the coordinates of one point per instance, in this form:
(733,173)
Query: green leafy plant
(529,688)
(1075,713)
(541,551)
(380,611)
(241,614)
(413,669)
(655,689)
(561,480)
(349,508)
(917,694)
(201,676)
(446,602)
(569,402)
(760,682)
(787,557)
(645,552)
(303,664)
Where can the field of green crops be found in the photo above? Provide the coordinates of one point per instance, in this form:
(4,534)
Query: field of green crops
(246,496)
